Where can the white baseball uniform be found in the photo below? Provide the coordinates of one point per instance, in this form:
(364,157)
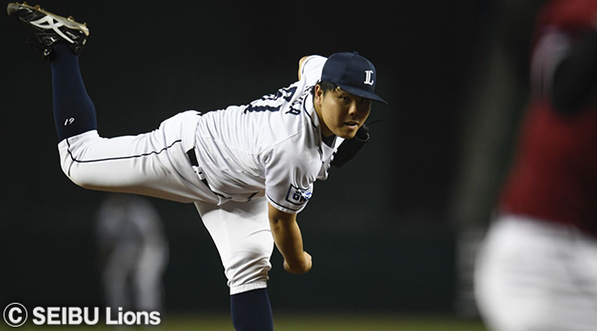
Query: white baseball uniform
(534,275)
(269,150)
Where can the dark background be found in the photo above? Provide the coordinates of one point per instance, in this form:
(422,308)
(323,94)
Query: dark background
(383,230)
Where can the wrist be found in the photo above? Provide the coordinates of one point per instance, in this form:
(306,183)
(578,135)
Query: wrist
(300,265)
(297,263)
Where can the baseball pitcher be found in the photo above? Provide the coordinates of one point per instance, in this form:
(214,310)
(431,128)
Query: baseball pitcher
(249,169)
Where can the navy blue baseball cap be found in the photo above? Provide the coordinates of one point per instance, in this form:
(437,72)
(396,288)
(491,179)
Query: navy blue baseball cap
(353,73)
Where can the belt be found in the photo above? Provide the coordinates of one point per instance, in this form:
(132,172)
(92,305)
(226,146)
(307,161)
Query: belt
(195,165)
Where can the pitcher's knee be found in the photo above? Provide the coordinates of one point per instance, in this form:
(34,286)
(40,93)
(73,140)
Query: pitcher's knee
(71,152)
(248,274)
(81,178)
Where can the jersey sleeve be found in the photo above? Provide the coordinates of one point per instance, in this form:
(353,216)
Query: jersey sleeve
(312,68)
(289,177)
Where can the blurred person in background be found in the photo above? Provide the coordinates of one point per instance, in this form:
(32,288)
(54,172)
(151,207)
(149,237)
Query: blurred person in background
(134,253)
(537,269)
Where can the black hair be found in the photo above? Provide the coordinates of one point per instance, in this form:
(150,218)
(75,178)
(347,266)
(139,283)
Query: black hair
(325,87)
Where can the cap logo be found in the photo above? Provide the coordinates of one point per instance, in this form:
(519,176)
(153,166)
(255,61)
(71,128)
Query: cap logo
(368,77)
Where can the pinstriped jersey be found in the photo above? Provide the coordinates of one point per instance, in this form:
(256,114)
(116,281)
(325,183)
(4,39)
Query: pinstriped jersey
(272,146)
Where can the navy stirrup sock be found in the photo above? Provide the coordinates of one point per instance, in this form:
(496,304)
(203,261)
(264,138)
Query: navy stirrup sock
(251,311)
(74,112)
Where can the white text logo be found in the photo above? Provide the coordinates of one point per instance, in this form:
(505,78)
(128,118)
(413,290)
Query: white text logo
(15,315)
(368,77)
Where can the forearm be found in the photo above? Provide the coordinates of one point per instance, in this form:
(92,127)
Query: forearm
(288,239)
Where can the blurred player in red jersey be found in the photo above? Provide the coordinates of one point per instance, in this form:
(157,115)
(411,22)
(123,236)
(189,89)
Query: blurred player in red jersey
(537,269)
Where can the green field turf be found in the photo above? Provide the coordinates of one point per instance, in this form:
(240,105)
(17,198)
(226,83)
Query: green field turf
(308,322)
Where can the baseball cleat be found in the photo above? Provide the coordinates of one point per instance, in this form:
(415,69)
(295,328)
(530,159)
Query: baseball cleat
(49,28)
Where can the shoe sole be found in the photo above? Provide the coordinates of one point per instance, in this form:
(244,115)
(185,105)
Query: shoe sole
(68,22)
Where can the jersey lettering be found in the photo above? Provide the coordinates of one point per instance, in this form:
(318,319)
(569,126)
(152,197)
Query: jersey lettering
(295,107)
(298,196)
(272,102)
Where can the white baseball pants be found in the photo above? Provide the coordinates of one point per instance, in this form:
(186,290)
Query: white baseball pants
(533,275)
(156,164)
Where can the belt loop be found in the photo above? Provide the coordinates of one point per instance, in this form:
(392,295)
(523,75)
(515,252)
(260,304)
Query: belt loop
(195,164)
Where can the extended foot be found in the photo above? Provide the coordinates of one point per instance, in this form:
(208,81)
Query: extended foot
(49,29)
